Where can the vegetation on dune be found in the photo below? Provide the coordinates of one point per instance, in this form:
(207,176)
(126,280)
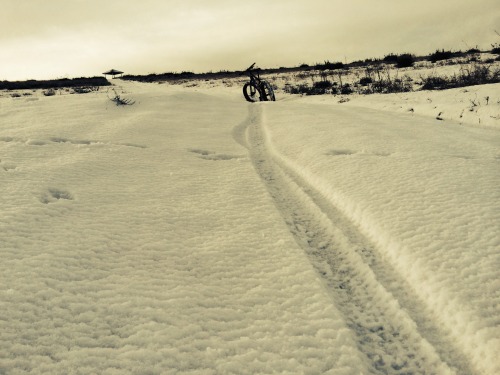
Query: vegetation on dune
(389,74)
(374,75)
(54,84)
(475,74)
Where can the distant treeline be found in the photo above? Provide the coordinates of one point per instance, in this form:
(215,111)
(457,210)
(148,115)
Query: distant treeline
(54,84)
(400,60)
(172,76)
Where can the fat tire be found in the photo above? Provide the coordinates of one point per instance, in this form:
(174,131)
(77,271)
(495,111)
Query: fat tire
(267,92)
(251,92)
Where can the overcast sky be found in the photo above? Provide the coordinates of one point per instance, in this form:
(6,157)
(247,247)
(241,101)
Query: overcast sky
(43,39)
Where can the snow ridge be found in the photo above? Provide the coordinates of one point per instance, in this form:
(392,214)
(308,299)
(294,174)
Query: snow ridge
(363,285)
(476,342)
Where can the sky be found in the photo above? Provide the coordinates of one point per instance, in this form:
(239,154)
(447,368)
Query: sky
(73,38)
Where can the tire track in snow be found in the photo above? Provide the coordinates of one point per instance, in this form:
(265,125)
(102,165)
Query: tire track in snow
(391,327)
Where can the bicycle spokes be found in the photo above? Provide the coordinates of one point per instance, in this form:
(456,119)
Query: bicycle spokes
(257,89)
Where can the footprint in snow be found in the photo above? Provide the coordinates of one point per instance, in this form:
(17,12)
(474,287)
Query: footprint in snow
(465,157)
(53,195)
(200,151)
(210,155)
(30,142)
(132,145)
(35,142)
(351,152)
(87,142)
(7,166)
(219,157)
(72,141)
(382,153)
(340,152)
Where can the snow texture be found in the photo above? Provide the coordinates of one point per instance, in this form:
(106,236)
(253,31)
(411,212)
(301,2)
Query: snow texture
(194,233)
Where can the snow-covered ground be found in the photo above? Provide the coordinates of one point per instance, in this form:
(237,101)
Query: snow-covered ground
(195,233)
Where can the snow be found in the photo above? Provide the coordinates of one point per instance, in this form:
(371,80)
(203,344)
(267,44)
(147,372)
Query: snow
(195,233)
(473,105)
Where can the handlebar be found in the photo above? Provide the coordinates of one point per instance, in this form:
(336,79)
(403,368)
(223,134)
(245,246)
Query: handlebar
(250,67)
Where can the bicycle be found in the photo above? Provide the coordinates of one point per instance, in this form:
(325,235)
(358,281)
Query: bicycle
(255,86)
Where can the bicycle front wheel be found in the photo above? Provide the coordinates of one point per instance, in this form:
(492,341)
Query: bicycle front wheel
(267,92)
(251,92)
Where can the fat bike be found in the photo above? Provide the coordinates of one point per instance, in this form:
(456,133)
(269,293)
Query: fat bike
(257,89)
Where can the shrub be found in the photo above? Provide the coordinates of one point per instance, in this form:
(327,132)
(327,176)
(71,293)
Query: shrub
(329,65)
(372,61)
(365,81)
(402,61)
(299,89)
(346,89)
(118,100)
(85,89)
(473,51)
(474,74)
(322,85)
(405,60)
(318,88)
(391,58)
(434,83)
(441,55)
(387,86)
(49,92)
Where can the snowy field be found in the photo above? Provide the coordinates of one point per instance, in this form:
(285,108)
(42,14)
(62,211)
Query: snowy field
(195,233)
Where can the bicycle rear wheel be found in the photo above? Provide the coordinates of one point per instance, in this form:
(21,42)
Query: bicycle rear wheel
(251,92)
(267,92)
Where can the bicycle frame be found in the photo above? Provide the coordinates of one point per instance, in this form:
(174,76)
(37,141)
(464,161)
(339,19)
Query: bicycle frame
(254,78)
(257,84)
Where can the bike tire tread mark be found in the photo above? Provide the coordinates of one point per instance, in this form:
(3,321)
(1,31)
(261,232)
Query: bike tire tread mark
(366,291)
